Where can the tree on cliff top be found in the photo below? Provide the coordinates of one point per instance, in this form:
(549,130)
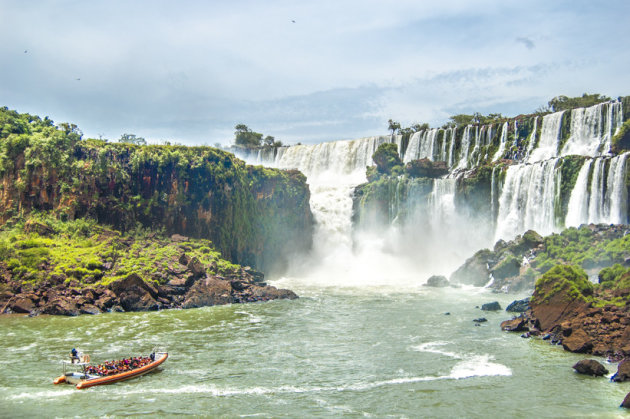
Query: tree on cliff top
(132,139)
(245,137)
(561,103)
(386,158)
(393,126)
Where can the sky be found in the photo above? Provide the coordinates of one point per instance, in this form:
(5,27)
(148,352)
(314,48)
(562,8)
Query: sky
(301,71)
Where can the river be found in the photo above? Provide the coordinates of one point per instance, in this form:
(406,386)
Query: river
(353,352)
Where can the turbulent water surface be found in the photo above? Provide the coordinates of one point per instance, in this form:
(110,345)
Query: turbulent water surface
(354,352)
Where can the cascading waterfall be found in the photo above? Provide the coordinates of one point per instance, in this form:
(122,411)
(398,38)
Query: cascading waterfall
(591,132)
(549,138)
(525,195)
(578,203)
(422,145)
(532,140)
(451,147)
(463,154)
(501,150)
(616,202)
(604,199)
(528,199)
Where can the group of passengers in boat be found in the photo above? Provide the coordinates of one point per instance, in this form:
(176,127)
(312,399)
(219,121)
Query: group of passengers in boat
(117,367)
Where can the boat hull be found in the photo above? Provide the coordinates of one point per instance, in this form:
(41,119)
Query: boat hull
(81,382)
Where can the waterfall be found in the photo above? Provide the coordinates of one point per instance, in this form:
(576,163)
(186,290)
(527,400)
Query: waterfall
(501,150)
(595,204)
(463,152)
(532,140)
(604,199)
(616,192)
(577,212)
(451,147)
(422,145)
(528,199)
(442,203)
(397,139)
(592,129)
(549,138)
(474,154)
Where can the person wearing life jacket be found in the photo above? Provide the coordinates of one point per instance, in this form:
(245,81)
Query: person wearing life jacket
(74,356)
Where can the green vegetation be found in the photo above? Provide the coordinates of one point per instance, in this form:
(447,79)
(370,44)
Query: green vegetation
(245,137)
(387,159)
(621,140)
(250,215)
(132,139)
(569,280)
(562,103)
(43,248)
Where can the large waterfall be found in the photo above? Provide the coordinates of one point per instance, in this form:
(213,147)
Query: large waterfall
(431,231)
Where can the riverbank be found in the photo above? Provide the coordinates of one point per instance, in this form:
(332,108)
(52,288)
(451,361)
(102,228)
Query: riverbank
(80,267)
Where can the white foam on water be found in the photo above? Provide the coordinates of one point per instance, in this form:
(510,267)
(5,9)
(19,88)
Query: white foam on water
(430,347)
(479,366)
(38,395)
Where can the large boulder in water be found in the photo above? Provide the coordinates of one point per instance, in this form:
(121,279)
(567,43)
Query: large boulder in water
(518,306)
(134,294)
(475,270)
(269,292)
(508,266)
(493,306)
(590,367)
(208,292)
(623,372)
(61,307)
(437,281)
(517,324)
(626,402)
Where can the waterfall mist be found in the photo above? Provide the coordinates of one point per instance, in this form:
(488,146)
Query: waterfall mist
(403,230)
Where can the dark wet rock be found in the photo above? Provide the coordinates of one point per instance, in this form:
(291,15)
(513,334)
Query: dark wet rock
(61,307)
(184,259)
(272,293)
(426,168)
(507,267)
(518,306)
(475,270)
(447,314)
(493,306)
(22,304)
(135,294)
(106,300)
(590,367)
(196,267)
(626,402)
(623,372)
(578,341)
(517,324)
(89,309)
(480,320)
(208,292)
(437,281)
(116,309)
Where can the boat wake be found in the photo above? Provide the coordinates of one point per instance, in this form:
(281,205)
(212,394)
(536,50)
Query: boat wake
(471,365)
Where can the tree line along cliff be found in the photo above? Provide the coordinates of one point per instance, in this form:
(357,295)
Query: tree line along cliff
(253,215)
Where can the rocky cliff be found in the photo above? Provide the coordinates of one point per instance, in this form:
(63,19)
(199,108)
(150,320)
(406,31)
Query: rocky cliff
(253,215)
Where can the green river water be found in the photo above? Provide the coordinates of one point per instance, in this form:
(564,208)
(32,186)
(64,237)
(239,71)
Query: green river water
(353,352)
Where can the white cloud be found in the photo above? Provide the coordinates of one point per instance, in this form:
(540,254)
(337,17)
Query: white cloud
(190,71)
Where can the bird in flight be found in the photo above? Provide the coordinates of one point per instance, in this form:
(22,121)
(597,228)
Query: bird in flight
(25,51)
(291,21)
(78,79)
